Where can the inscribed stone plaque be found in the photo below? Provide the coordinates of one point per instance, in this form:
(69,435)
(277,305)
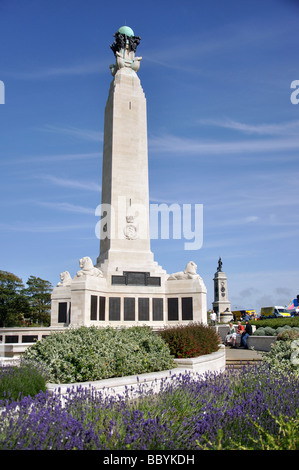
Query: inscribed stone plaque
(11,339)
(187,308)
(133,278)
(157,309)
(93,307)
(29,338)
(143,309)
(153,281)
(173,309)
(118,280)
(102,308)
(62,312)
(129,309)
(114,308)
(136,279)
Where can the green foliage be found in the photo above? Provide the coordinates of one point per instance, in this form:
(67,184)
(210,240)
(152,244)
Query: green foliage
(270,331)
(288,335)
(285,332)
(277,322)
(283,356)
(13,302)
(287,437)
(259,332)
(38,294)
(266,331)
(194,339)
(91,353)
(17,382)
(18,303)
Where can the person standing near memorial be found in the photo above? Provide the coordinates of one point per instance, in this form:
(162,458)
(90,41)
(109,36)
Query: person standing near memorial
(213,318)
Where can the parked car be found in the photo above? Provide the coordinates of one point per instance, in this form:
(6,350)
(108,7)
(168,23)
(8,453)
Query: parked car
(294,312)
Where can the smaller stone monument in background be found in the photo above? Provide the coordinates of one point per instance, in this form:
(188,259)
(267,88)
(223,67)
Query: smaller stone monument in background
(221,304)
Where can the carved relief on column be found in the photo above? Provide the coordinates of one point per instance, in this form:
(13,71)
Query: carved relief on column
(130,229)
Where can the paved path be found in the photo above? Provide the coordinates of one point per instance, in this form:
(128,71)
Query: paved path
(242,354)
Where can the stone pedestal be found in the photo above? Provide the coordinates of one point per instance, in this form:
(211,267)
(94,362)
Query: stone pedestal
(129,298)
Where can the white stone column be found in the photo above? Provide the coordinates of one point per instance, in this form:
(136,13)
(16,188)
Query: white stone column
(125,190)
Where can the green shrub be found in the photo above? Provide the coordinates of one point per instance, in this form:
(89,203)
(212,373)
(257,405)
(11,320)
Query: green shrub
(285,438)
(21,381)
(288,335)
(282,332)
(91,353)
(280,329)
(259,332)
(276,322)
(283,356)
(270,331)
(194,339)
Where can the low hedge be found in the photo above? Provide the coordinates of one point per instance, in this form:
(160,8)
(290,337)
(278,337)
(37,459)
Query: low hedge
(276,322)
(91,353)
(282,332)
(192,340)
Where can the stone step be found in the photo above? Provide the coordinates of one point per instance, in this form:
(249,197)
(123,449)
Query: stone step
(238,363)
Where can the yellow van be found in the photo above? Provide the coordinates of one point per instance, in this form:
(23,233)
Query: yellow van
(274,312)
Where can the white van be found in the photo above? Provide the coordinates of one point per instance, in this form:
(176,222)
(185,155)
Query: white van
(274,312)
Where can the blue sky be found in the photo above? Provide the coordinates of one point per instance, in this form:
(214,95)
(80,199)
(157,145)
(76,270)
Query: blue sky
(222,132)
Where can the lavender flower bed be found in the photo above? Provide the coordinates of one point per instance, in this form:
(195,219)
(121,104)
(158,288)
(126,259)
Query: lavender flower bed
(184,415)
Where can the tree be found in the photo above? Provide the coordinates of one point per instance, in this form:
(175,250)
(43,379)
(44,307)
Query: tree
(38,294)
(13,303)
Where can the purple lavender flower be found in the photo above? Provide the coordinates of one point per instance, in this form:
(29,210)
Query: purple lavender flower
(187,412)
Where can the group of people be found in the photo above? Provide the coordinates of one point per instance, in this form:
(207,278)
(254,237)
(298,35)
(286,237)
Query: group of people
(243,332)
(233,332)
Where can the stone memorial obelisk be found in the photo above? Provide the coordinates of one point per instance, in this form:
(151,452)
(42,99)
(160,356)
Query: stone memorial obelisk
(126,286)
(124,230)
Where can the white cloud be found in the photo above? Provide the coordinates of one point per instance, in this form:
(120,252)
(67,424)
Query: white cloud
(250,240)
(234,222)
(67,183)
(21,227)
(67,207)
(265,288)
(56,72)
(288,128)
(86,134)
(50,158)
(179,145)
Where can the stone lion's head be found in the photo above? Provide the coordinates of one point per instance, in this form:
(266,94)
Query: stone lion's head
(65,276)
(86,263)
(191,268)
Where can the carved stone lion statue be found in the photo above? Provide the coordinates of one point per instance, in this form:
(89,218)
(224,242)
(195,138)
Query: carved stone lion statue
(88,269)
(188,273)
(65,279)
